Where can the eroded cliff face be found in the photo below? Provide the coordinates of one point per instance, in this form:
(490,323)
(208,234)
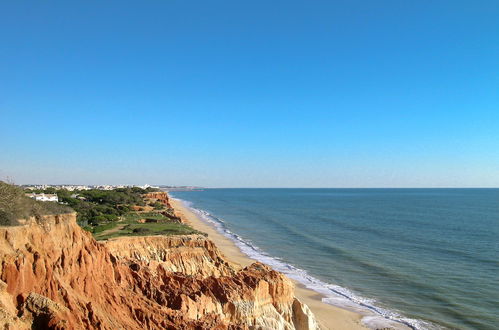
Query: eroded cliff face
(159,196)
(187,254)
(163,198)
(55,275)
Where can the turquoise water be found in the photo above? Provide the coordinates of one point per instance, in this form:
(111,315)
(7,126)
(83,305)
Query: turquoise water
(425,257)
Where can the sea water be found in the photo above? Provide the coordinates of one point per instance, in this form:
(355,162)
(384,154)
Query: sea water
(427,258)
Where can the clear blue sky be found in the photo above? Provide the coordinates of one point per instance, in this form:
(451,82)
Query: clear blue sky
(250,93)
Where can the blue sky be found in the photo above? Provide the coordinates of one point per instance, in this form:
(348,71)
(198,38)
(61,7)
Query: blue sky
(250,94)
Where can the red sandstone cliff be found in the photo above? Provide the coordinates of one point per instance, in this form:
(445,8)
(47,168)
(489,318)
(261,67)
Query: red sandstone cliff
(159,196)
(57,276)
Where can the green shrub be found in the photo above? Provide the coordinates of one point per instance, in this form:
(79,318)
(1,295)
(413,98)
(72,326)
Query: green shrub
(103,227)
(141,230)
(7,219)
(88,228)
(14,205)
(157,205)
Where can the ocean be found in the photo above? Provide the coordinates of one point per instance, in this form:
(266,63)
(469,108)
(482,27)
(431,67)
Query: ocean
(428,258)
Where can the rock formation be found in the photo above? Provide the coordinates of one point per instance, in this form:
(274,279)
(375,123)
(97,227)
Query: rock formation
(54,275)
(187,254)
(159,196)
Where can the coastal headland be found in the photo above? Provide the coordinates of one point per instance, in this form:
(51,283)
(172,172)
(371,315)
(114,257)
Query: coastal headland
(56,275)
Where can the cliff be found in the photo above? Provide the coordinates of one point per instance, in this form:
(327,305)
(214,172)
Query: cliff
(54,275)
(159,196)
(187,254)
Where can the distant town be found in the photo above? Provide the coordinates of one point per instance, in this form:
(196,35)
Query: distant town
(71,187)
(47,192)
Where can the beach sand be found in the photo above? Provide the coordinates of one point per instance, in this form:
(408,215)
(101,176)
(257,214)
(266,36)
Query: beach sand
(329,317)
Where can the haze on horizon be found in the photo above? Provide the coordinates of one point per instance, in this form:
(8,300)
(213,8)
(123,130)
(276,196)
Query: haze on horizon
(250,94)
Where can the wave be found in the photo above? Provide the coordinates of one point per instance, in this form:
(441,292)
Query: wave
(374,316)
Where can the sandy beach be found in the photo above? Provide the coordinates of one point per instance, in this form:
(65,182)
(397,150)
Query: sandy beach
(329,317)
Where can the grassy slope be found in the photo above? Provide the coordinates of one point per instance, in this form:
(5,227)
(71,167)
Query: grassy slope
(130,227)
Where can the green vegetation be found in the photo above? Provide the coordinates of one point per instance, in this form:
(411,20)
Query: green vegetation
(157,205)
(14,205)
(100,228)
(135,216)
(109,213)
(96,207)
(145,229)
(104,213)
(131,225)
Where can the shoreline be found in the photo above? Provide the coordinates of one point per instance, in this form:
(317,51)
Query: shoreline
(328,316)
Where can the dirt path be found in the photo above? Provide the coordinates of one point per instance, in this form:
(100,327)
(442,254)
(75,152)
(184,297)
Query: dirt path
(111,231)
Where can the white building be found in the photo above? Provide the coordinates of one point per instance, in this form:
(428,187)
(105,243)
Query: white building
(44,197)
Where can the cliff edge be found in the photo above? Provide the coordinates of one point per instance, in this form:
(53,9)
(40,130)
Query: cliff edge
(54,275)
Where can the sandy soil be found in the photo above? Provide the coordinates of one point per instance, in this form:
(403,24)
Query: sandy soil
(110,231)
(329,317)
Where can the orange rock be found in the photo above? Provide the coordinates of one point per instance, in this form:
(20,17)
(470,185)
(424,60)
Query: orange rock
(159,196)
(142,208)
(54,275)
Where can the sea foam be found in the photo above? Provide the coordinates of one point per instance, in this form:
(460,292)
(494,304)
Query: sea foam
(374,316)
